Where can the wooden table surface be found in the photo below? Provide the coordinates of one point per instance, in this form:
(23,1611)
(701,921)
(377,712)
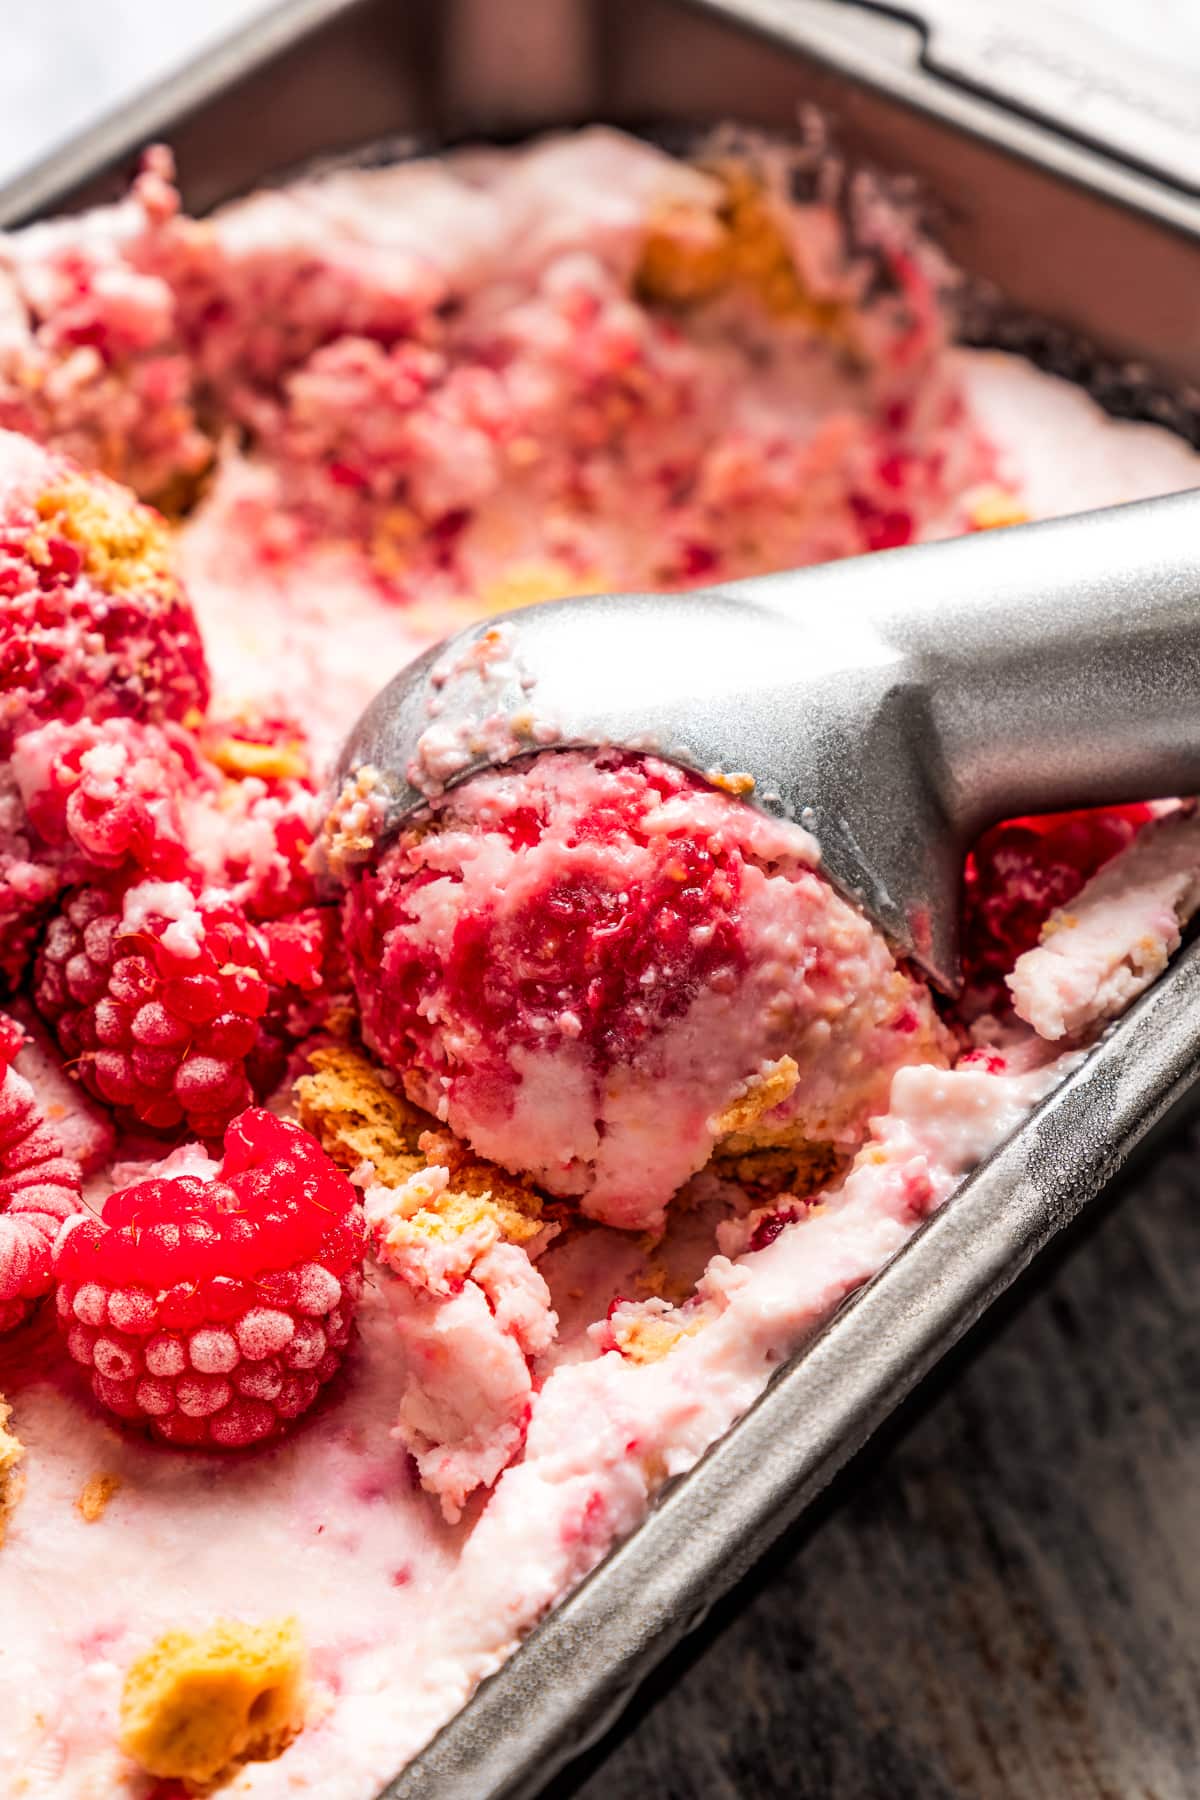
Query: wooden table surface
(1005,1600)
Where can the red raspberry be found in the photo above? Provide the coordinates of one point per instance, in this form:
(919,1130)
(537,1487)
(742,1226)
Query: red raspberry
(268,811)
(1021,870)
(111,793)
(29,883)
(93,622)
(39,1188)
(214,1304)
(172,1005)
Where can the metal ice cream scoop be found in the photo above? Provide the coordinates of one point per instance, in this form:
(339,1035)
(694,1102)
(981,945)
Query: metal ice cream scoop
(893,704)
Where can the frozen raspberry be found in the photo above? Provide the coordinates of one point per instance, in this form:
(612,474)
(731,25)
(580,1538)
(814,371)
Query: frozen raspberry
(93,623)
(214,1304)
(171,1005)
(39,1188)
(268,809)
(1021,870)
(112,792)
(29,882)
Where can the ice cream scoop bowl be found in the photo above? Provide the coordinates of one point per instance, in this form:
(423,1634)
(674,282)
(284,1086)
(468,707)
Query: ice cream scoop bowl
(893,705)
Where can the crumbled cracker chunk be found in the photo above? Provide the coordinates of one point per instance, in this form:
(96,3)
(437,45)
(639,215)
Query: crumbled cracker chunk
(692,255)
(197,1706)
(357,1118)
(769,1088)
(11,1452)
(126,547)
(804,1167)
(95,1495)
(643,1335)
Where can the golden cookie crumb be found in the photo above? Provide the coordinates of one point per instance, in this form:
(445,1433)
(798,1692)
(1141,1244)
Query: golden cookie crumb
(739,784)
(126,547)
(357,1118)
(691,255)
(801,1168)
(11,1452)
(95,1495)
(196,1706)
(762,1093)
(992,507)
(270,762)
(647,1340)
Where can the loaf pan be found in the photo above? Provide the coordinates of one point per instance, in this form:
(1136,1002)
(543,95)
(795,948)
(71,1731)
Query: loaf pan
(1082,248)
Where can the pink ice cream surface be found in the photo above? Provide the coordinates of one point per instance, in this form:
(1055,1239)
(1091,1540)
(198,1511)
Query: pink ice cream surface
(585,960)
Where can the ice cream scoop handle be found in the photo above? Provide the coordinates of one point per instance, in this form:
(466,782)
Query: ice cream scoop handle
(1052,666)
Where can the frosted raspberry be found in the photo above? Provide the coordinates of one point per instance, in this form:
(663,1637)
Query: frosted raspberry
(93,622)
(172,1006)
(215,1304)
(268,811)
(39,1187)
(29,882)
(1021,870)
(112,792)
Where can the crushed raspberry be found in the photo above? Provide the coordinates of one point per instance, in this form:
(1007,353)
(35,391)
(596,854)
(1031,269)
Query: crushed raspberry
(772,1225)
(39,1188)
(93,624)
(882,527)
(172,1006)
(213,1305)
(268,811)
(1020,871)
(112,792)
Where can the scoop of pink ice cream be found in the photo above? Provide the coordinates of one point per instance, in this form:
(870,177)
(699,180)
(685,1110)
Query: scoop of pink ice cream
(597,968)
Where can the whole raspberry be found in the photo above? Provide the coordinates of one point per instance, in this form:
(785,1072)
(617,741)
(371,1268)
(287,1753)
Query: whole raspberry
(93,622)
(102,794)
(1020,871)
(213,1304)
(39,1188)
(170,1003)
(268,808)
(30,880)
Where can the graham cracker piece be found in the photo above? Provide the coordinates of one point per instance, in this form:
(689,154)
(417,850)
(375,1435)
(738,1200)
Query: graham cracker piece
(95,1495)
(761,1094)
(356,1116)
(196,1707)
(11,1452)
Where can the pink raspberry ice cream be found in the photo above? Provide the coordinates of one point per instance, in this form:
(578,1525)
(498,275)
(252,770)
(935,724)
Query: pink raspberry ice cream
(584,963)
(397,1375)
